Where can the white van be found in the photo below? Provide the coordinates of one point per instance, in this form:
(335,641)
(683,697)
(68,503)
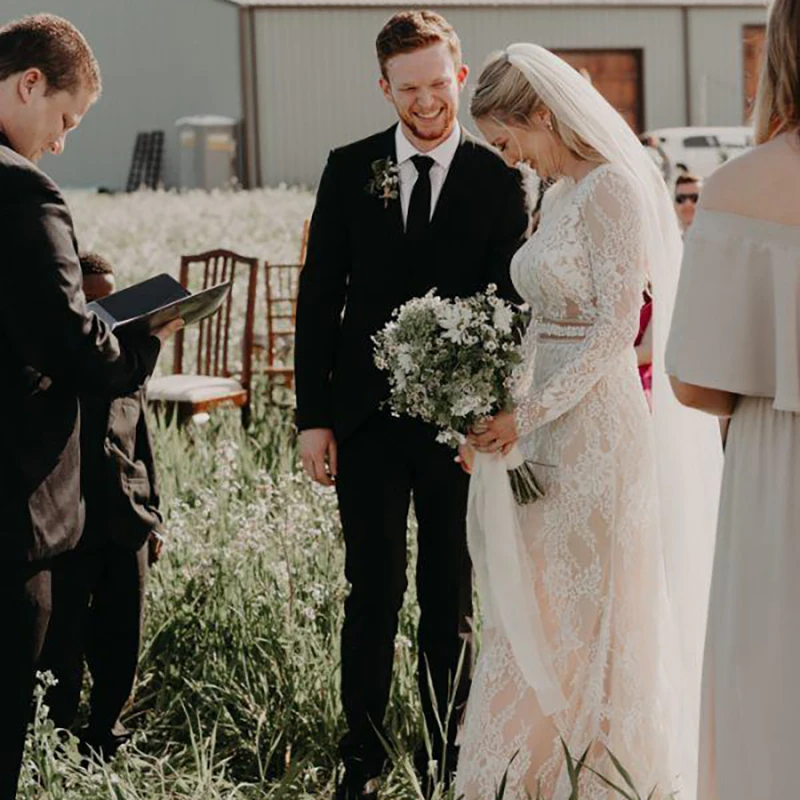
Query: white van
(701,150)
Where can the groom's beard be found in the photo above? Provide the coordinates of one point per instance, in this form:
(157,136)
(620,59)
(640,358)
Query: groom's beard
(441,130)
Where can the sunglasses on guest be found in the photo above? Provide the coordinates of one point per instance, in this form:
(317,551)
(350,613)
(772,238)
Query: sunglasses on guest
(682,198)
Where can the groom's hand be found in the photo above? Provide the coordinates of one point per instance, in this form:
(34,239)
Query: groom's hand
(318,454)
(466,458)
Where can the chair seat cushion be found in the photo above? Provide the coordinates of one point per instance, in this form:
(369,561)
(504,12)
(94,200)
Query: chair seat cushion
(192,388)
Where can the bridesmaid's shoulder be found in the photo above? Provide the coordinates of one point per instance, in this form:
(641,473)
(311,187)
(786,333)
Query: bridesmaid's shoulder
(751,184)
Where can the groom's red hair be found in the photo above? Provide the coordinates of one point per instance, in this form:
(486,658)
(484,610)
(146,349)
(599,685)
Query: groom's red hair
(408,31)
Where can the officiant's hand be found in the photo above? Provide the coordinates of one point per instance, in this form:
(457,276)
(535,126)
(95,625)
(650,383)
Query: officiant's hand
(318,454)
(494,434)
(165,331)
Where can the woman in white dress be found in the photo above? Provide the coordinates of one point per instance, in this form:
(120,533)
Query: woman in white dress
(743,261)
(578,641)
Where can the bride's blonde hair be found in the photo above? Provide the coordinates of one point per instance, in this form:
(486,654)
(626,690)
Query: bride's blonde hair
(506,96)
(777,104)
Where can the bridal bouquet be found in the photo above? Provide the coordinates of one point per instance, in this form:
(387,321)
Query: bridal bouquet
(450,363)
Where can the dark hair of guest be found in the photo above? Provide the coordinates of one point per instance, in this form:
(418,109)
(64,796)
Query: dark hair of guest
(94,264)
(687,177)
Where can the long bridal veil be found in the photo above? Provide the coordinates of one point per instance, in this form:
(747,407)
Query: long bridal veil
(688,448)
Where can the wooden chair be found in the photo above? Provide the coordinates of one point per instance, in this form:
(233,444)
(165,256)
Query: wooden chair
(304,242)
(281,287)
(216,376)
(282,282)
(274,346)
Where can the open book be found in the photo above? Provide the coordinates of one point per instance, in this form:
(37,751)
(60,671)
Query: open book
(146,306)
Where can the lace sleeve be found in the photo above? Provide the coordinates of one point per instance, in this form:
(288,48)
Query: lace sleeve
(614,233)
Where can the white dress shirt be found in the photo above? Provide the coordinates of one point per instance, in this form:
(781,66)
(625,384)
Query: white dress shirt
(442,156)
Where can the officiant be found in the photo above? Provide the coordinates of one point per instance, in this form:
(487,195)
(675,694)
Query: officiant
(51,348)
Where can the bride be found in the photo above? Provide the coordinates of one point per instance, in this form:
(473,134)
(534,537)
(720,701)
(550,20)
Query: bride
(594,597)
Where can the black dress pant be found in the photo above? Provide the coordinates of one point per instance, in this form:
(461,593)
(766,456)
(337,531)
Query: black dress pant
(98,600)
(380,468)
(26,602)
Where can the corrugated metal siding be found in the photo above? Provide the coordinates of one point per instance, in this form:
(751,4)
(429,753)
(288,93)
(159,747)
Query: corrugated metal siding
(493,3)
(318,74)
(161,60)
(718,64)
(249,57)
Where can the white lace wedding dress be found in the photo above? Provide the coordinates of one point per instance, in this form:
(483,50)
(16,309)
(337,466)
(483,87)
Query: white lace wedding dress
(592,545)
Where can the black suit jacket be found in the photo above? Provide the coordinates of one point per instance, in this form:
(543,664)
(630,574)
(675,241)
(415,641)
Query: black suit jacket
(118,475)
(50,348)
(360,267)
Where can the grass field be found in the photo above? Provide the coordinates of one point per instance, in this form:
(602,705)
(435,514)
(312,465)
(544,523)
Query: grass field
(237,692)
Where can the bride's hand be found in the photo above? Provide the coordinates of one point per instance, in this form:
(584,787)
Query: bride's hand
(495,434)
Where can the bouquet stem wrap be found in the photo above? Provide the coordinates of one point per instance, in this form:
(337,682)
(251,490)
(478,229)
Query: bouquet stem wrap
(523,482)
(504,580)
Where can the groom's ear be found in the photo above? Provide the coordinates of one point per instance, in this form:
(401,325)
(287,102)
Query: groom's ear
(461,76)
(386,88)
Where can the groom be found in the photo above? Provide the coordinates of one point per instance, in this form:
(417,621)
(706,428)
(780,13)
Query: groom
(418,206)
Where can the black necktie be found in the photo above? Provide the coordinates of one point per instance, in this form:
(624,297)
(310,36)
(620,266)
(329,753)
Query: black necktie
(419,207)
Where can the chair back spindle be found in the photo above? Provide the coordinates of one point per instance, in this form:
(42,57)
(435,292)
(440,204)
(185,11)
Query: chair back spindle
(214,339)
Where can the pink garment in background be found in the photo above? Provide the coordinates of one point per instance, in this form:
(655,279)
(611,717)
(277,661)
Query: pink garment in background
(646,370)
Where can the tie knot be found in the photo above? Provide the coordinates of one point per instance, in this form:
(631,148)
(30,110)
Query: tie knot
(423,164)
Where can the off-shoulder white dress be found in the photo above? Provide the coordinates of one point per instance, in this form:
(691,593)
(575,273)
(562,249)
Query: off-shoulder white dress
(736,327)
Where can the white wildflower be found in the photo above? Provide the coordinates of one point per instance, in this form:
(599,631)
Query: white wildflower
(503,318)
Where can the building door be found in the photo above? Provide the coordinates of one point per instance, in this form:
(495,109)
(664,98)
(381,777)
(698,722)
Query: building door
(753,38)
(617,75)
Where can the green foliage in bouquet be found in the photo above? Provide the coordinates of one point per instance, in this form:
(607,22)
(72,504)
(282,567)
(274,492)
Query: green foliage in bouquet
(450,361)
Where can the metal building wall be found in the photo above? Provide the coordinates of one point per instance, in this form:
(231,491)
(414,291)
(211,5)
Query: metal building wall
(717,63)
(161,60)
(318,76)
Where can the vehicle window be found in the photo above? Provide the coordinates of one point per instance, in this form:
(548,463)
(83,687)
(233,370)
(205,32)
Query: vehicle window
(700,141)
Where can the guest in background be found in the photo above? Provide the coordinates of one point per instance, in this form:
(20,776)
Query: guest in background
(687,195)
(736,355)
(98,588)
(658,154)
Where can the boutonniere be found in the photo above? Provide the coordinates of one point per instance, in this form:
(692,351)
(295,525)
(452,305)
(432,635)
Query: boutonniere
(385,181)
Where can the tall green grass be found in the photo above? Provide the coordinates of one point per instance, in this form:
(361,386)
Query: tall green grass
(238,680)
(238,689)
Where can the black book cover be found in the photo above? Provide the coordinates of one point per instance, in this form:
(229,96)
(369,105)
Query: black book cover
(147,306)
